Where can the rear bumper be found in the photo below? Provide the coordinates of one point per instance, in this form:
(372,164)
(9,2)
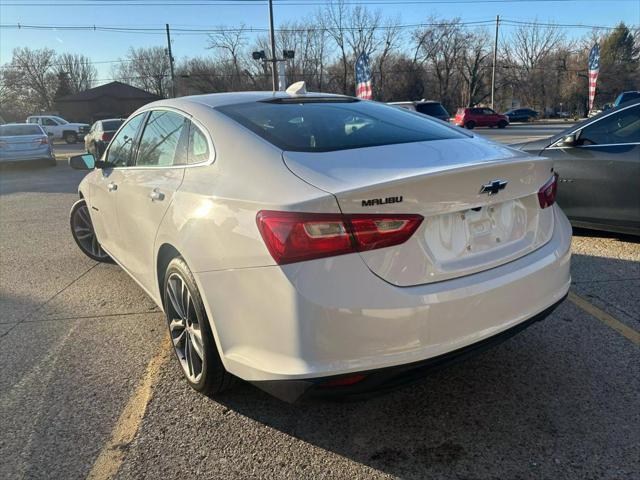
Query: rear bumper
(27,157)
(331,317)
(376,382)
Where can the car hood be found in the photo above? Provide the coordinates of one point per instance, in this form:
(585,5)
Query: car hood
(70,124)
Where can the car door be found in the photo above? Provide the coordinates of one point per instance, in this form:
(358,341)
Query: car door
(599,173)
(49,126)
(147,189)
(489,116)
(106,182)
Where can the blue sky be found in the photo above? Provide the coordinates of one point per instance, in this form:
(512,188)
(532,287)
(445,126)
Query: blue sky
(106,46)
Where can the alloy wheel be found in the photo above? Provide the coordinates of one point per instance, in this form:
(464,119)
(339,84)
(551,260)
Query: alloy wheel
(85,234)
(184,328)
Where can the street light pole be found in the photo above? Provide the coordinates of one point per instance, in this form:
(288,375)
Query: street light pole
(495,60)
(274,64)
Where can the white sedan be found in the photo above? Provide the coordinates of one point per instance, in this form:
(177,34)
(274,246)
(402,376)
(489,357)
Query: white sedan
(317,244)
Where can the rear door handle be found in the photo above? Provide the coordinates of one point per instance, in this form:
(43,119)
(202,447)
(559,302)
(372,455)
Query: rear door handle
(156,194)
(112,187)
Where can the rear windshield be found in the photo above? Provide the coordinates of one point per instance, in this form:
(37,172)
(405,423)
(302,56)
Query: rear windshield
(13,130)
(324,126)
(433,109)
(111,125)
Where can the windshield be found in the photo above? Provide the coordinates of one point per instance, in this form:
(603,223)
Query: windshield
(433,109)
(324,126)
(16,130)
(107,126)
(61,121)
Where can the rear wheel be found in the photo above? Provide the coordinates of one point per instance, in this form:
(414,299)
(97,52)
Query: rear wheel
(70,137)
(84,234)
(470,125)
(502,124)
(190,333)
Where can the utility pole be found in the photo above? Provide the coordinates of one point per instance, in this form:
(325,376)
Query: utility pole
(495,61)
(173,78)
(274,64)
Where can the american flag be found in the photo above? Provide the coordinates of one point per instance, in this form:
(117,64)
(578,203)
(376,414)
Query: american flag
(364,88)
(594,69)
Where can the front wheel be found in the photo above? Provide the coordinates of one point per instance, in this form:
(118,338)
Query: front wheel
(502,124)
(70,137)
(190,333)
(84,234)
(470,125)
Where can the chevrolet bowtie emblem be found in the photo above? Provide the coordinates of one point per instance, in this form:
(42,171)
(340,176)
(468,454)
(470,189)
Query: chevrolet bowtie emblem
(493,187)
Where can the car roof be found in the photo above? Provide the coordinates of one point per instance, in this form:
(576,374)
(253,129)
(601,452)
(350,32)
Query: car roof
(220,99)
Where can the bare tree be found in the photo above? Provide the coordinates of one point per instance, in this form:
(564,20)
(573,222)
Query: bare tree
(334,20)
(473,65)
(146,68)
(30,74)
(79,71)
(440,46)
(230,44)
(528,57)
(390,39)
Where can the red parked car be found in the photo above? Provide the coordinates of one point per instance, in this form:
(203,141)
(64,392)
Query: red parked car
(479,117)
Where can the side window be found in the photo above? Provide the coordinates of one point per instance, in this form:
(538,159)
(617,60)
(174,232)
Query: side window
(163,142)
(48,122)
(121,147)
(621,127)
(488,111)
(198,145)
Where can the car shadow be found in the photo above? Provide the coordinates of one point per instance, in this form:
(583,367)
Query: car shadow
(623,237)
(39,177)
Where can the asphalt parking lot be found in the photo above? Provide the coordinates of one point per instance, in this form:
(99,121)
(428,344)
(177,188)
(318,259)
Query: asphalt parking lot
(88,385)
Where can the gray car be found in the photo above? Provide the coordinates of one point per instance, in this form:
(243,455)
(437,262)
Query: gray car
(21,142)
(598,161)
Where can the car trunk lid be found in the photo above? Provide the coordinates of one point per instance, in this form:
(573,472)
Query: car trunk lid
(464,231)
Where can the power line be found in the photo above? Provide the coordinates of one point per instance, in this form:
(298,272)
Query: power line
(208,31)
(111,3)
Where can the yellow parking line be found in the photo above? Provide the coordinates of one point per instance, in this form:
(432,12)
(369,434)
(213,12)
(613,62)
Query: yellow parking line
(627,332)
(112,454)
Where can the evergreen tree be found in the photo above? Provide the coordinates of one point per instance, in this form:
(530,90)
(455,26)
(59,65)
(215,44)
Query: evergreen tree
(619,62)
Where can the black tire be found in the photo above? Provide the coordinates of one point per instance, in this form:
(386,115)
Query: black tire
(80,223)
(71,137)
(212,377)
(502,124)
(470,125)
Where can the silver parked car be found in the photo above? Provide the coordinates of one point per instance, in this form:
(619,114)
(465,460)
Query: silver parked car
(20,142)
(598,161)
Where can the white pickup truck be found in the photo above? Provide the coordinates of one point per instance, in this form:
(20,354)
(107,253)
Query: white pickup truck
(58,128)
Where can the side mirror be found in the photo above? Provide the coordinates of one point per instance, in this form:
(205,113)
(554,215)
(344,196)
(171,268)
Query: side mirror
(568,141)
(82,162)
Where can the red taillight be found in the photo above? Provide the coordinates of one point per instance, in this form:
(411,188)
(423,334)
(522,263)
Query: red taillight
(294,237)
(547,193)
(344,381)
(106,136)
